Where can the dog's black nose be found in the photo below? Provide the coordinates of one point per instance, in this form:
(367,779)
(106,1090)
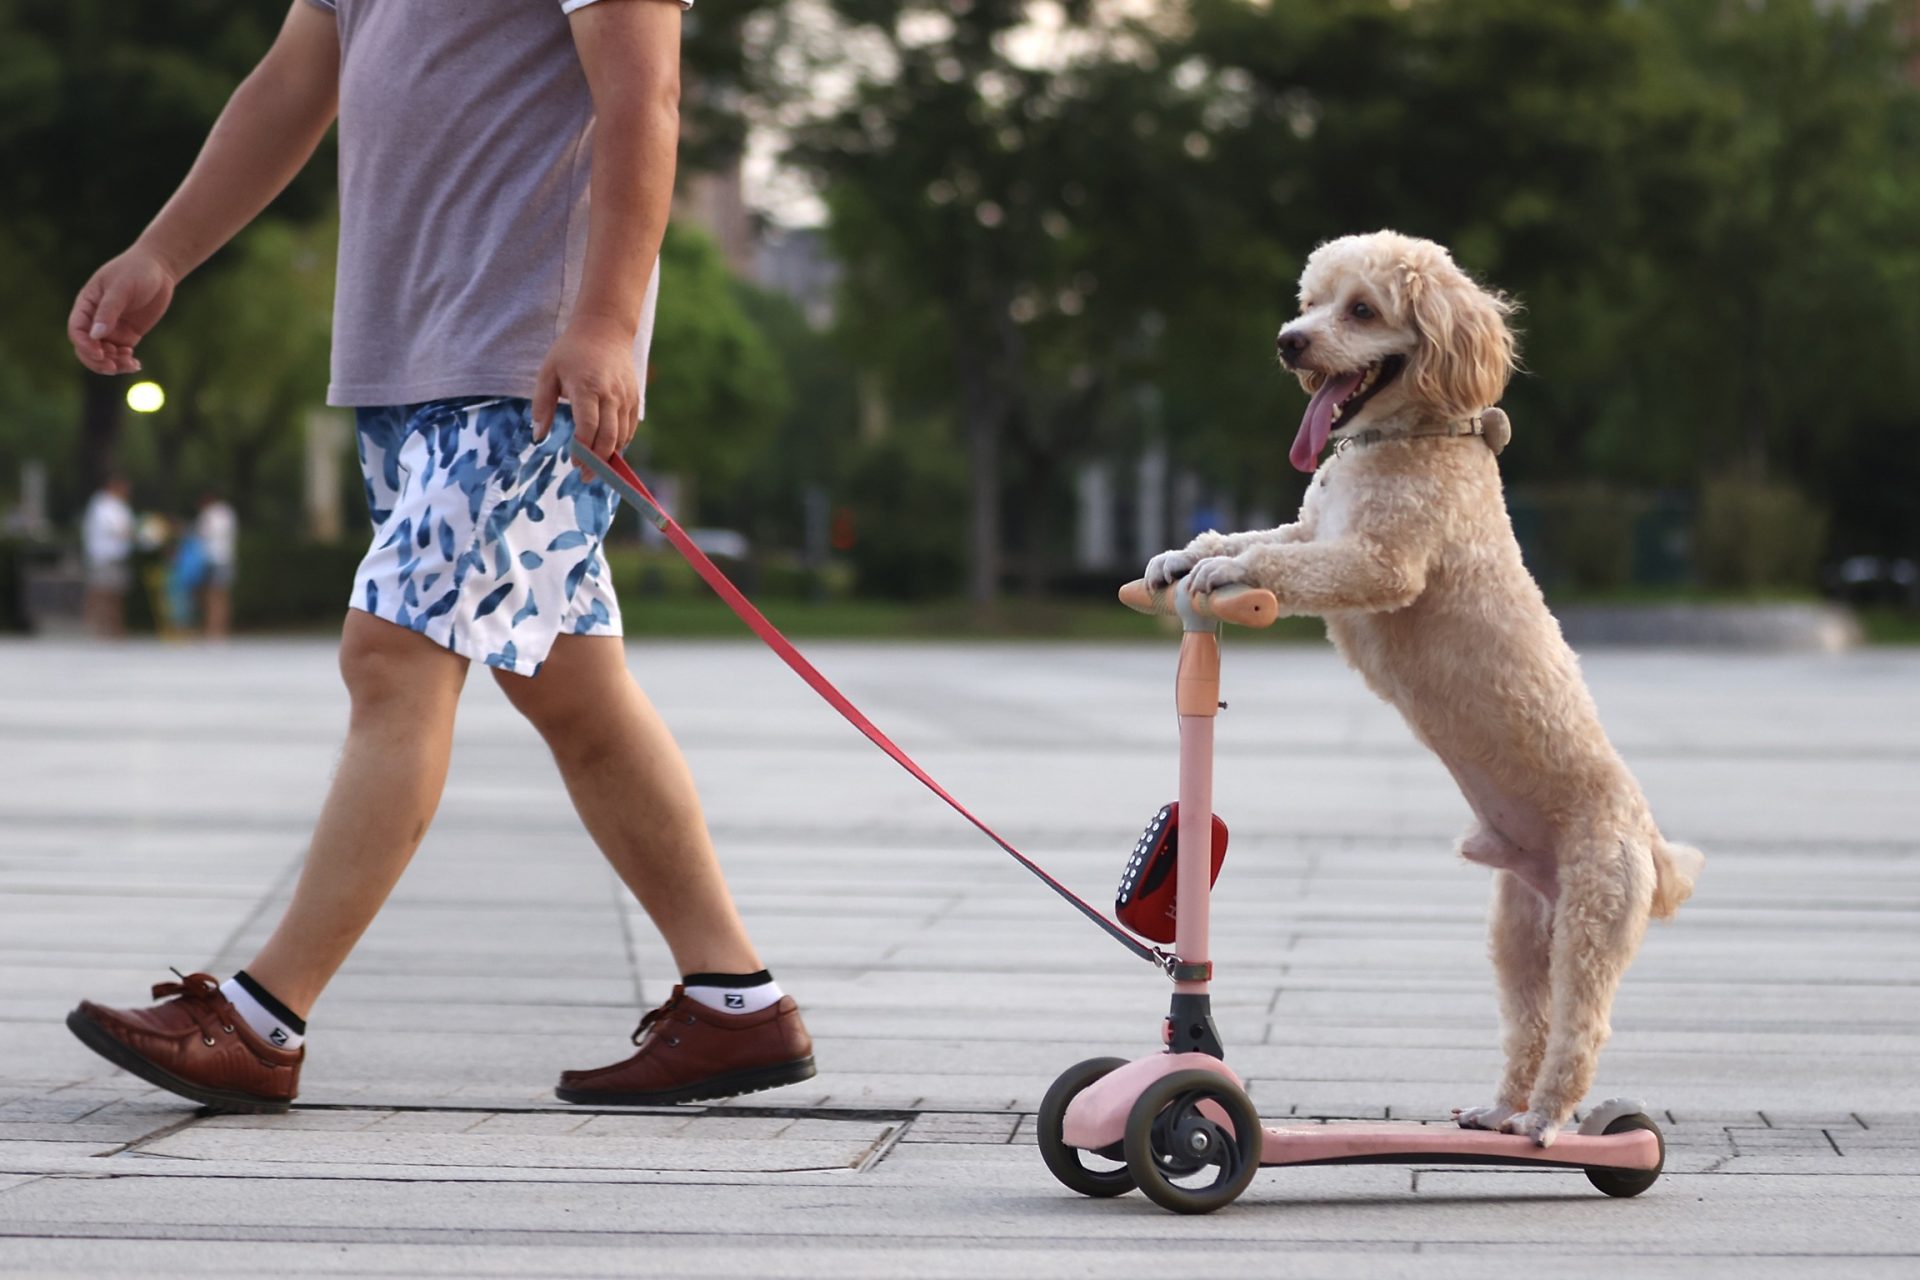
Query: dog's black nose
(1293,344)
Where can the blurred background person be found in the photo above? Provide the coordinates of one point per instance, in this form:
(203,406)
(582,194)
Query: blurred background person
(107,542)
(188,574)
(218,533)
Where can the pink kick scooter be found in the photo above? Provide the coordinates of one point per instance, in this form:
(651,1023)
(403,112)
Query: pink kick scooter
(1179,1124)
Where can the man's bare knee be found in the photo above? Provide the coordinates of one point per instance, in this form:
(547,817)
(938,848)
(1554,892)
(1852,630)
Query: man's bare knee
(579,699)
(551,708)
(385,665)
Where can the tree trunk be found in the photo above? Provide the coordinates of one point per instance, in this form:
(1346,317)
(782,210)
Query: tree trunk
(983,465)
(102,402)
(983,406)
(1036,522)
(1037,571)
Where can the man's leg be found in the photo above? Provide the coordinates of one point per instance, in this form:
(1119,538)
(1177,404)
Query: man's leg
(636,796)
(404,689)
(237,1045)
(105,611)
(219,606)
(116,609)
(729,1029)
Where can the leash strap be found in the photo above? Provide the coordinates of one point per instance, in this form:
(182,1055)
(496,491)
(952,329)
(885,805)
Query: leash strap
(617,473)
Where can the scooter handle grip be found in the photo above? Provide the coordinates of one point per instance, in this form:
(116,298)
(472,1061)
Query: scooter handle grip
(1243,606)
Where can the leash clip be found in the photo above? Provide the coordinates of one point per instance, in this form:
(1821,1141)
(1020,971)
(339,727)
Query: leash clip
(1180,971)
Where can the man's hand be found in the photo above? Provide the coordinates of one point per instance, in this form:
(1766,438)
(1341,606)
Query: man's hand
(591,368)
(117,307)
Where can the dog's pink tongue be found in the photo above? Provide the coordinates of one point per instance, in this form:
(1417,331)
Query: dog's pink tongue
(1317,422)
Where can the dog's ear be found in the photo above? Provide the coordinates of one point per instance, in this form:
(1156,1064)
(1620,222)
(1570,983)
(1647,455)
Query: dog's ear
(1465,355)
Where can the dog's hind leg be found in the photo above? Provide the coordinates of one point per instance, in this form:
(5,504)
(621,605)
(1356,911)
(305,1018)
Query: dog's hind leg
(1606,891)
(1519,939)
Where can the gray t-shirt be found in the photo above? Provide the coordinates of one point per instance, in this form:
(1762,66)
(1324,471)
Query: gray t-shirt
(466,143)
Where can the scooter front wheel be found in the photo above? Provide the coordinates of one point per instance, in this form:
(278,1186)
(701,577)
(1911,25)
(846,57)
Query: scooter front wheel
(1105,1177)
(1193,1141)
(1629,1182)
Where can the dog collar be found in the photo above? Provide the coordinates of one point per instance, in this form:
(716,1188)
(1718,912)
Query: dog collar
(1490,426)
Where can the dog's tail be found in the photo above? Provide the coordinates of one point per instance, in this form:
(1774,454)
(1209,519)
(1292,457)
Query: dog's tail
(1675,868)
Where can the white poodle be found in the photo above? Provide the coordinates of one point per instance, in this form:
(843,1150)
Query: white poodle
(1403,545)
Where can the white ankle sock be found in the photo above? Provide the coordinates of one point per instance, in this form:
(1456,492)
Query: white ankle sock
(270,1026)
(734,992)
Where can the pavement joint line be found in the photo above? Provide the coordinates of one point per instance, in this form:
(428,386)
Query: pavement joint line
(193,1168)
(867,1115)
(890,836)
(882,1147)
(625,917)
(280,882)
(93,1110)
(1219,1239)
(358,1171)
(1016,1117)
(164,1131)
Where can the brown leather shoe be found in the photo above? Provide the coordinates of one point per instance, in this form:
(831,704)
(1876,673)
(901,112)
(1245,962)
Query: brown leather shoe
(196,1045)
(689,1052)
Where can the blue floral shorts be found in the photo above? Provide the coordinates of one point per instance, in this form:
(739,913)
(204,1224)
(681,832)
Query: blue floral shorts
(483,541)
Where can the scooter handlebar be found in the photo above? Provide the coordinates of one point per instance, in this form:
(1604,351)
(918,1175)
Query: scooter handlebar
(1243,606)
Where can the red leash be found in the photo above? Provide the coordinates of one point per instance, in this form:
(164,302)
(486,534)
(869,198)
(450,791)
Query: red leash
(617,473)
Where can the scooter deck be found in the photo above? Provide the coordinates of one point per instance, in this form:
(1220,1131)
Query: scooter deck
(1389,1143)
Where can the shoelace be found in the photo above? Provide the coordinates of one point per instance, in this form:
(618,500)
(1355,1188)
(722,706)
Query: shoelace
(649,1021)
(199,995)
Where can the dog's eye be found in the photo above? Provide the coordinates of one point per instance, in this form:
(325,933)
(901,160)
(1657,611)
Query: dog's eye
(1361,311)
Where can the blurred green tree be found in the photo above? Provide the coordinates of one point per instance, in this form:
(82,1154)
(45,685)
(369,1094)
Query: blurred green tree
(810,449)
(103,106)
(1706,208)
(242,354)
(1009,220)
(716,389)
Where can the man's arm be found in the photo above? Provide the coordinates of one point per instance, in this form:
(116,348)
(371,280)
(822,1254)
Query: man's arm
(266,133)
(630,51)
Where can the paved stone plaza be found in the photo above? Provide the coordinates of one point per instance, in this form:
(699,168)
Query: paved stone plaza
(156,802)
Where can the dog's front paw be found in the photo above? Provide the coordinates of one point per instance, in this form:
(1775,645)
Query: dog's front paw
(1483,1117)
(1168,568)
(1532,1124)
(1215,573)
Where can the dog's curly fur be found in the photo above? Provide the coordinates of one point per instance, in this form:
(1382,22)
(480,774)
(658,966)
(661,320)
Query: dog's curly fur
(1404,546)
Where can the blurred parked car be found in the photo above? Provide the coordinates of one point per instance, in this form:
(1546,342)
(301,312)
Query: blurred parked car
(1875,580)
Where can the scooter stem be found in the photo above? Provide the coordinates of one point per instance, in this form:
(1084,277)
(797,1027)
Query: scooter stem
(1195,868)
(1197,700)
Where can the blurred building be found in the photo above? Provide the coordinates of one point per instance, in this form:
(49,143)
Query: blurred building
(716,200)
(793,261)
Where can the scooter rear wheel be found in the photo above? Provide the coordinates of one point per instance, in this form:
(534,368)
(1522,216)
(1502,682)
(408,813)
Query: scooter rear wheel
(1069,1164)
(1173,1139)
